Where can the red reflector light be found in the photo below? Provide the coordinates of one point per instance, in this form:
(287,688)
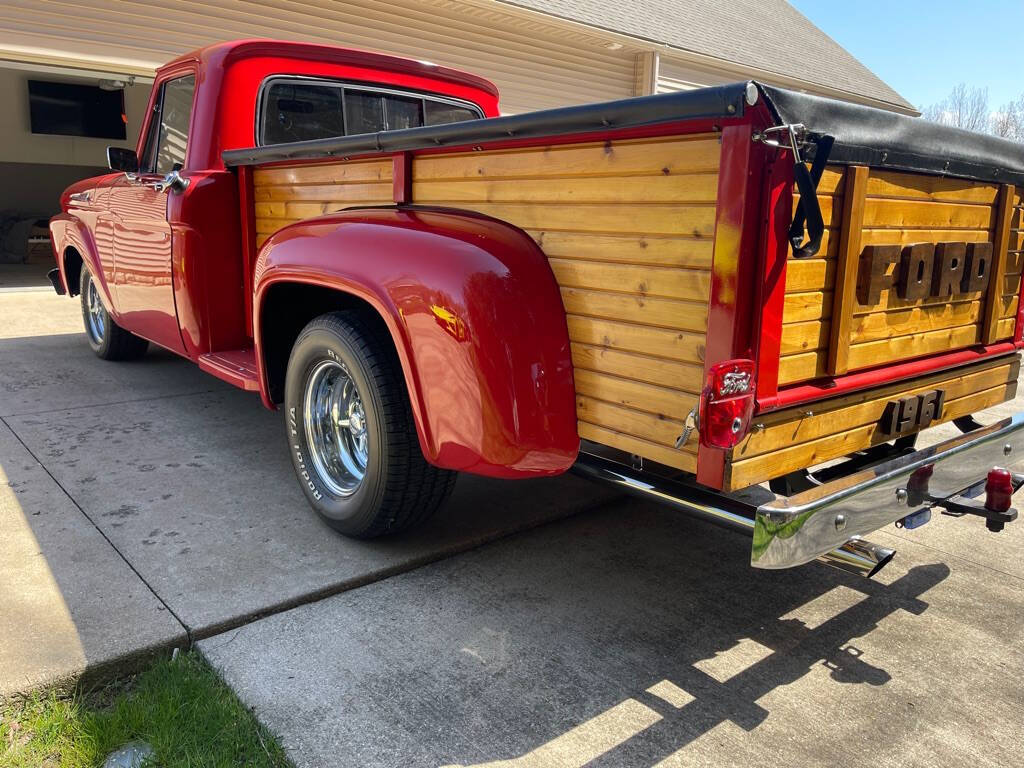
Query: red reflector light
(727,403)
(998,490)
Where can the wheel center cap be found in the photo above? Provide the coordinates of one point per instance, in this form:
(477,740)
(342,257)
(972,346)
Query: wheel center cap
(356,422)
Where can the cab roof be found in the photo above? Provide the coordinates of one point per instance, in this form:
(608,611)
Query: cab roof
(219,55)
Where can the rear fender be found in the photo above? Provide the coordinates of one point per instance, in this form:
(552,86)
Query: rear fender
(476,318)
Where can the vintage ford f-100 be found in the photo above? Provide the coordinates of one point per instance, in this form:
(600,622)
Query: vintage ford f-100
(684,294)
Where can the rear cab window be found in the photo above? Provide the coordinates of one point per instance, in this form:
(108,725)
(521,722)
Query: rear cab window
(298,109)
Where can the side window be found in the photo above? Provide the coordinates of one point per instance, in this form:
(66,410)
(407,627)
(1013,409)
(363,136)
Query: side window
(402,112)
(167,134)
(302,111)
(175,116)
(299,112)
(364,112)
(439,112)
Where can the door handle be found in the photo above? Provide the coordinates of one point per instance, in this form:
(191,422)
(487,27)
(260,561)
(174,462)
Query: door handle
(172,182)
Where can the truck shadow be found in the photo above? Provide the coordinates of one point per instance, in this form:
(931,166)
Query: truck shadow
(720,646)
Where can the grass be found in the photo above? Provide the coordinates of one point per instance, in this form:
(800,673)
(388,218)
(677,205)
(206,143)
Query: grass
(180,707)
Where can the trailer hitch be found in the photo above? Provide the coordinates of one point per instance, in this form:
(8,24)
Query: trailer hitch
(998,489)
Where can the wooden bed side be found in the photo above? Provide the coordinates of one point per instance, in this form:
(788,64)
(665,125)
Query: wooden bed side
(628,228)
(897,208)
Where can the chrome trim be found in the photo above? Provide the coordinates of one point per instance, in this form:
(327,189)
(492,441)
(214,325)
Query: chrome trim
(172,182)
(698,502)
(346,85)
(860,557)
(856,555)
(96,317)
(795,530)
(336,428)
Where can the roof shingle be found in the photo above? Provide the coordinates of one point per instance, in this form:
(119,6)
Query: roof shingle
(770,35)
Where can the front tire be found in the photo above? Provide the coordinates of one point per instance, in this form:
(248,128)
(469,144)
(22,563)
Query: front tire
(108,340)
(351,433)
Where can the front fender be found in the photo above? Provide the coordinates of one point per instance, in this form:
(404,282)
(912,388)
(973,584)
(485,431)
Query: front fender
(476,317)
(67,231)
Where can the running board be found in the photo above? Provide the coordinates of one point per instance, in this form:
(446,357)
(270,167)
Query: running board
(235,366)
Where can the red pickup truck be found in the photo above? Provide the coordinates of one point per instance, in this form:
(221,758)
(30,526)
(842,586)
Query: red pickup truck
(685,295)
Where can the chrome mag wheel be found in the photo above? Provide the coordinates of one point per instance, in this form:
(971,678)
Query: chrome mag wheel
(335,424)
(96,320)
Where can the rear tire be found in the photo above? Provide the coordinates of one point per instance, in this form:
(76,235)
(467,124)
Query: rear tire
(351,433)
(108,340)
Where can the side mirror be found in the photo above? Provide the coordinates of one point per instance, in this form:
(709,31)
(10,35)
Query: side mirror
(120,159)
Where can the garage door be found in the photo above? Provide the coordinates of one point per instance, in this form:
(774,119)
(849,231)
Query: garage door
(534,64)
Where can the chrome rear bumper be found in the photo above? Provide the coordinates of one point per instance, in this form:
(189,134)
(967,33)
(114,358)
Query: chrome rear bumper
(795,530)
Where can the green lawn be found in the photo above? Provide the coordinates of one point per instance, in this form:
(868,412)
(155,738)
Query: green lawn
(180,707)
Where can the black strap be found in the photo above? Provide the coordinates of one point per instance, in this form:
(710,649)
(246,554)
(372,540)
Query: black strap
(808,208)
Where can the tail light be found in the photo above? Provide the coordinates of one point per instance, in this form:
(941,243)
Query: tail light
(998,490)
(727,403)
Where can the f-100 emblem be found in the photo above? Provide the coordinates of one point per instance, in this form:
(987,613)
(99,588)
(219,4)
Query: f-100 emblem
(912,413)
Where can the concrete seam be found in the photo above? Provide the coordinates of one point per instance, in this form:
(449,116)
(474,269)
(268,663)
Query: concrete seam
(104,405)
(1014,576)
(381,574)
(184,626)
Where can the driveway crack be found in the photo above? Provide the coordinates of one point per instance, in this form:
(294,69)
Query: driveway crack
(87,516)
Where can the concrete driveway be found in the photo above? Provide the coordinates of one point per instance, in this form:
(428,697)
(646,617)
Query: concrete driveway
(146,506)
(162,483)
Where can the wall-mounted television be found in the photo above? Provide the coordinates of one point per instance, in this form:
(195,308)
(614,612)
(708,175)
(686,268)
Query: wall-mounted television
(70,109)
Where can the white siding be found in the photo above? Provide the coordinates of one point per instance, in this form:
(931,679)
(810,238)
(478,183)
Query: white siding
(535,65)
(678,76)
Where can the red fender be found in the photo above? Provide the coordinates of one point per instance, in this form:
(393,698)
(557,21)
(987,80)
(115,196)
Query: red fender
(476,317)
(67,231)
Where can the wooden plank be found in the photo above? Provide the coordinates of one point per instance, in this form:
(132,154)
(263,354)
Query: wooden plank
(888,325)
(990,329)
(783,429)
(800,307)
(676,188)
(658,342)
(846,274)
(810,275)
(661,431)
(688,377)
(634,308)
(324,192)
(1005,328)
(907,236)
(631,444)
(895,184)
(910,214)
(690,284)
(659,401)
(693,220)
(760,468)
(914,345)
(804,337)
(809,365)
(338,172)
(620,158)
(668,251)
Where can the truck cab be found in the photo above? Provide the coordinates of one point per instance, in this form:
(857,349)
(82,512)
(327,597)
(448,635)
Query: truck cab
(161,237)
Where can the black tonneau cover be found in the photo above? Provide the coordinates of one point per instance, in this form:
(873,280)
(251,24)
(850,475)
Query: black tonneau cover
(863,135)
(876,137)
